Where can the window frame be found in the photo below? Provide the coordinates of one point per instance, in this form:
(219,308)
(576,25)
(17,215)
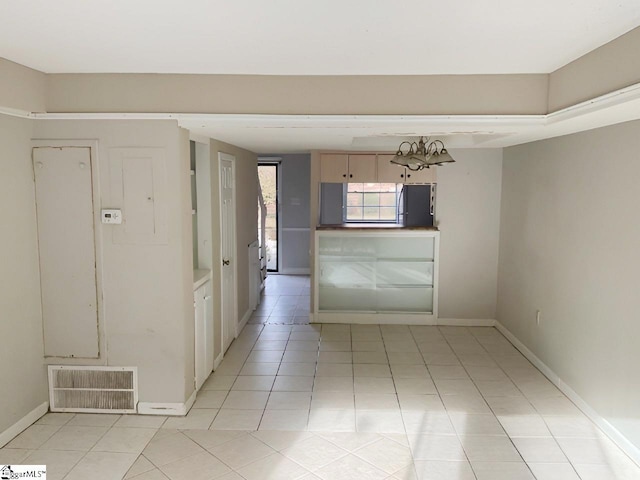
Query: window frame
(345,192)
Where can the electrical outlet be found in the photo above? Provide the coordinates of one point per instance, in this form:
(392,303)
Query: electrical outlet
(538,317)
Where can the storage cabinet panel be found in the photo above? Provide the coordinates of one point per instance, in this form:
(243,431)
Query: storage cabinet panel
(65,217)
(389,172)
(376,272)
(362,169)
(427,175)
(334,168)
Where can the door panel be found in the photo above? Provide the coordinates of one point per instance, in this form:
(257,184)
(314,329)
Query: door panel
(228,236)
(64,204)
(389,172)
(334,168)
(362,169)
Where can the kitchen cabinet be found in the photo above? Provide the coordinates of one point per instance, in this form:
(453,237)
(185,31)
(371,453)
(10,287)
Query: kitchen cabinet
(391,173)
(376,276)
(343,168)
(203,308)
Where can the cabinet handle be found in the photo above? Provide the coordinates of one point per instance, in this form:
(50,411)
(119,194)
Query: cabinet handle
(350,175)
(402,175)
(408,175)
(225,262)
(344,176)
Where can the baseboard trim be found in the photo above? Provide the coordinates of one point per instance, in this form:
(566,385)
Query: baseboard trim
(243,322)
(169,409)
(295,271)
(466,322)
(25,422)
(218,361)
(612,432)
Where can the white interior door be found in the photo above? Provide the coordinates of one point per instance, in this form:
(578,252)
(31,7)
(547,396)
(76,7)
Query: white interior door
(64,204)
(228,243)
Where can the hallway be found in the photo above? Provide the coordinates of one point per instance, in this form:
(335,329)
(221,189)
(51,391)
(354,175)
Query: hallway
(345,402)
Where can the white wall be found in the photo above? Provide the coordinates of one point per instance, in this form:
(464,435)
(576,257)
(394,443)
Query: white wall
(468,215)
(569,247)
(22,369)
(147,289)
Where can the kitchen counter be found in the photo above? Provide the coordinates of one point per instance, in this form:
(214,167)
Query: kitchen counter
(374,226)
(200,277)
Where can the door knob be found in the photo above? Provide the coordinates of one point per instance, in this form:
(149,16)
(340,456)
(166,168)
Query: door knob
(225,262)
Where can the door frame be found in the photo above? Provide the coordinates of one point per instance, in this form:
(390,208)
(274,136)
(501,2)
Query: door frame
(92,145)
(227,157)
(276,162)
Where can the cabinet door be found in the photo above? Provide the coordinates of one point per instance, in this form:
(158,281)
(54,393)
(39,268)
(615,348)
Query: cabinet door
(208,328)
(362,168)
(427,175)
(334,168)
(200,337)
(389,172)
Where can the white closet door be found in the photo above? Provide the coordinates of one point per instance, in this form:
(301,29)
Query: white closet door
(64,204)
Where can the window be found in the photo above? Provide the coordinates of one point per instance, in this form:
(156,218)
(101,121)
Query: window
(371,202)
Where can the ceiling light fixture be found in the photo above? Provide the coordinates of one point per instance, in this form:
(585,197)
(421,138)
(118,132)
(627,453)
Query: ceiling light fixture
(422,154)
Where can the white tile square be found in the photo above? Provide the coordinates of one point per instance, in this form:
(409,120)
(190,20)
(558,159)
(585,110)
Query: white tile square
(302,345)
(539,449)
(335,346)
(351,467)
(55,419)
(125,440)
(484,448)
(465,404)
(553,471)
(415,386)
(366,346)
(170,447)
(405,358)
(334,370)
(261,368)
(476,424)
(371,370)
(332,400)
(456,387)
(379,421)
(71,437)
(376,357)
(280,440)
(335,357)
(422,403)
(524,425)
(219,382)
(431,423)
(437,447)
(289,401)
(297,369)
(439,470)
(333,384)
(314,453)
(409,371)
(202,466)
(288,420)
(387,455)
(242,451)
(209,399)
(230,419)
(254,382)
(275,466)
(375,385)
(502,471)
(296,356)
(286,383)
(446,372)
(93,420)
(102,466)
(33,437)
(245,400)
(58,463)
(332,420)
(141,421)
(377,401)
(211,438)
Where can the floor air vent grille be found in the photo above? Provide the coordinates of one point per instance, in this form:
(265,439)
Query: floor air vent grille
(93,389)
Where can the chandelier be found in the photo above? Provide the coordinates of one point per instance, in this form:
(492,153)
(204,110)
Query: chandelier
(421,154)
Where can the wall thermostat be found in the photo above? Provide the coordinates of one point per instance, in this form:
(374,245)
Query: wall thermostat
(112,216)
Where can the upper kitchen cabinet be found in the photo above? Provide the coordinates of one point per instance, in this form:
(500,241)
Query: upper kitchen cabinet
(343,168)
(362,169)
(334,168)
(391,173)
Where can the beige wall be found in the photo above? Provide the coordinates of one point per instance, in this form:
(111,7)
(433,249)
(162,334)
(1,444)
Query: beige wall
(468,215)
(22,369)
(22,88)
(147,289)
(246,226)
(569,247)
(254,94)
(613,66)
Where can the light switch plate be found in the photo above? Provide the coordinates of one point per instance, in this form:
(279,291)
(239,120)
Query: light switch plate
(112,216)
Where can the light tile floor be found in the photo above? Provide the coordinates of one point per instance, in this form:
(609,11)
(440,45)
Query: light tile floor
(346,402)
(285,301)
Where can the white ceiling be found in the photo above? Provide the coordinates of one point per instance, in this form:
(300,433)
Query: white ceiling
(308,37)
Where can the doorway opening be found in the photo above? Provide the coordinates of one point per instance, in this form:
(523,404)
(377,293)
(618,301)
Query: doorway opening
(268,213)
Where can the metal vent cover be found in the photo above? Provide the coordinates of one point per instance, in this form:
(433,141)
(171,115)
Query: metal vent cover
(93,389)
